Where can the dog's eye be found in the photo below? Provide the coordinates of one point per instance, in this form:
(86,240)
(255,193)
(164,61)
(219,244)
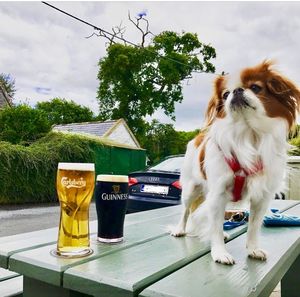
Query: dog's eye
(255,88)
(225,95)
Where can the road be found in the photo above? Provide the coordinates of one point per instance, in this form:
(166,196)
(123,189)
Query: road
(20,219)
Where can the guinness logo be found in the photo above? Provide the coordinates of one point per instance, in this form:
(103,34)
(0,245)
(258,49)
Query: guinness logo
(116,189)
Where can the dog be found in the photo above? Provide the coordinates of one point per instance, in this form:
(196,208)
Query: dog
(240,155)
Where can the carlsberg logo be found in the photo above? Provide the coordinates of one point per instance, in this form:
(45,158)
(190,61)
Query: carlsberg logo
(73,183)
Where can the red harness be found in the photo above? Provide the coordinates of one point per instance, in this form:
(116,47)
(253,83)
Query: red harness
(240,175)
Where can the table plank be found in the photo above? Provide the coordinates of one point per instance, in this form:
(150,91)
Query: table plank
(39,264)
(246,278)
(12,287)
(154,213)
(27,242)
(10,245)
(129,271)
(6,274)
(284,205)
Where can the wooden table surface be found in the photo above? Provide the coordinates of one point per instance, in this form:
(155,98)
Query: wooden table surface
(142,264)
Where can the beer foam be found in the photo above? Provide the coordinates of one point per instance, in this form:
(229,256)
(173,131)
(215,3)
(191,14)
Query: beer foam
(77,166)
(112,178)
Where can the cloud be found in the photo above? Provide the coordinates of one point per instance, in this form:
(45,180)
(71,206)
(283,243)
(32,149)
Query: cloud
(41,90)
(42,48)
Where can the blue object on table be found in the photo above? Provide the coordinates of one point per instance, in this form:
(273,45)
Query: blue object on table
(275,219)
(228,225)
(274,210)
(279,219)
(236,220)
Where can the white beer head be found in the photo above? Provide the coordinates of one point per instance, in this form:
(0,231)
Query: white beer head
(77,166)
(112,178)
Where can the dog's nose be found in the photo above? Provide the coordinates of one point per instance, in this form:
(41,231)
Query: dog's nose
(238,91)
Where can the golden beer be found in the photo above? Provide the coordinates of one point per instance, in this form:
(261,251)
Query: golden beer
(75,186)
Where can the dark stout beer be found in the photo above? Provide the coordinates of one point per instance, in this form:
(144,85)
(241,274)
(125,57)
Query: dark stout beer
(111,203)
(75,186)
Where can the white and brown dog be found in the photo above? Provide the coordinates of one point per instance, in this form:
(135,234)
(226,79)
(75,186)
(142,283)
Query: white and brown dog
(239,155)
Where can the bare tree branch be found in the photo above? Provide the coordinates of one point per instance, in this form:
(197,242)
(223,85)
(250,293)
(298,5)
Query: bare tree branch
(93,34)
(118,31)
(136,23)
(100,33)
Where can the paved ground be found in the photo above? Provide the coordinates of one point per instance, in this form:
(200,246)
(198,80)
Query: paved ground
(18,219)
(276,292)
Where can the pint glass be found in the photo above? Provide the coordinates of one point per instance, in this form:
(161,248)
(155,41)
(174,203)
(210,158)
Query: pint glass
(75,186)
(111,204)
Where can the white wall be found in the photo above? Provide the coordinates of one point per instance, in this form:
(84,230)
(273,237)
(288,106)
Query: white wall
(121,134)
(293,178)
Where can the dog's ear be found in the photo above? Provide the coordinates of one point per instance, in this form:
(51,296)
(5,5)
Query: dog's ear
(266,65)
(215,107)
(286,92)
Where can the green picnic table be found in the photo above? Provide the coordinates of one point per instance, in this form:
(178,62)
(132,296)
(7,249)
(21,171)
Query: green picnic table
(151,263)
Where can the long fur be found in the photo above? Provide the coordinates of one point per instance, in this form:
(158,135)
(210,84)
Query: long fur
(254,132)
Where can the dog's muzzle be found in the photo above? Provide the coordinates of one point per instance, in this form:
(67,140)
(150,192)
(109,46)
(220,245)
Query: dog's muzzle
(239,101)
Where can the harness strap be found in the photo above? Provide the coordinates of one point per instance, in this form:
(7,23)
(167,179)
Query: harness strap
(240,175)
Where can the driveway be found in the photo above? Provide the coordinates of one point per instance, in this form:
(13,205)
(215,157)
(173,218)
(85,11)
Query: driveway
(19,219)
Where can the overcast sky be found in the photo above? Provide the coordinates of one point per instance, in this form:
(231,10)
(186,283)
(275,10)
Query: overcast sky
(48,55)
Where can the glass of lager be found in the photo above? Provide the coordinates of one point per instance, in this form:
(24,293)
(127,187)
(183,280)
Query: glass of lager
(111,204)
(75,187)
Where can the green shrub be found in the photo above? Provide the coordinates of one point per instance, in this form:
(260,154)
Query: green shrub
(22,124)
(295,142)
(28,173)
(62,111)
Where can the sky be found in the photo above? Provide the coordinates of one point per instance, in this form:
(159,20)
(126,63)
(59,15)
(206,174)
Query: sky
(49,55)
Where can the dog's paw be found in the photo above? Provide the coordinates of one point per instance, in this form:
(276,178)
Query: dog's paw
(222,257)
(258,254)
(226,235)
(176,231)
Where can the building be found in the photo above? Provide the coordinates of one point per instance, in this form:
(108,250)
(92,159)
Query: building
(5,99)
(116,130)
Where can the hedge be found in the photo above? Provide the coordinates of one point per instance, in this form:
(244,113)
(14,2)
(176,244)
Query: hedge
(28,173)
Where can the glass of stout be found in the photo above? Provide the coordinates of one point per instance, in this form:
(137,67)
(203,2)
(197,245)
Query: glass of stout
(111,203)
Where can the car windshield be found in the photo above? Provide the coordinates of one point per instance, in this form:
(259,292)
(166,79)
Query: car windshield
(171,164)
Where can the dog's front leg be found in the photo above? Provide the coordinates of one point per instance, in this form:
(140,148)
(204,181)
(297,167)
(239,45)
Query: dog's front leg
(257,211)
(217,203)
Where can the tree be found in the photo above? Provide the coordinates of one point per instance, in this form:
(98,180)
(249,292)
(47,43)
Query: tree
(136,81)
(162,140)
(22,124)
(61,111)
(184,137)
(8,83)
